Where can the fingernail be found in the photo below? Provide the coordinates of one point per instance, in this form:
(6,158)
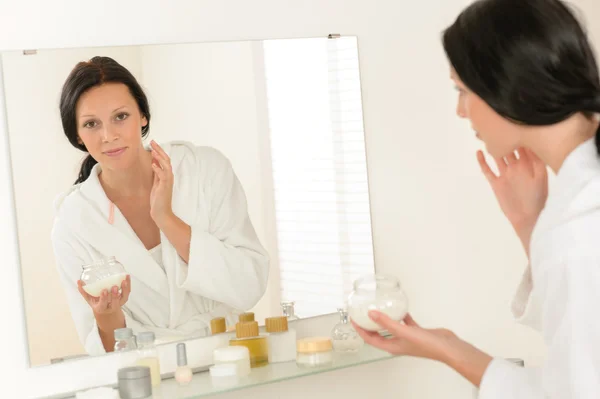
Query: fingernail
(374,315)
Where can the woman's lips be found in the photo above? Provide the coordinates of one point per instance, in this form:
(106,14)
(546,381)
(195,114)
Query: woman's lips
(115,152)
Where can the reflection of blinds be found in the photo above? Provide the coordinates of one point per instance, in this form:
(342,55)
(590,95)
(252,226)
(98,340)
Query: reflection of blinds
(319,166)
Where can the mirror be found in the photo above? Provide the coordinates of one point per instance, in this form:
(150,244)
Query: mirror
(265,200)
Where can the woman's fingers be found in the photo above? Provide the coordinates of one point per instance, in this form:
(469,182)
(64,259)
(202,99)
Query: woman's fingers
(394,327)
(125,290)
(103,302)
(84,294)
(511,158)
(161,156)
(485,168)
(409,321)
(501,163)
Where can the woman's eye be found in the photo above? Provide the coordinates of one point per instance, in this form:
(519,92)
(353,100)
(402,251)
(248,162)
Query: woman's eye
(90,124)
(122,117)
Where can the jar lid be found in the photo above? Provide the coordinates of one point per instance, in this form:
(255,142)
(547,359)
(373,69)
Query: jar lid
(123,333)
(276,324)
(224,370)
(217,325)
(247,329)
(230,354)
(248,316)
(146,337)
(314,344)
(134,373)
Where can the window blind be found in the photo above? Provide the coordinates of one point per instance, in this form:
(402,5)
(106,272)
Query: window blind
(319,170)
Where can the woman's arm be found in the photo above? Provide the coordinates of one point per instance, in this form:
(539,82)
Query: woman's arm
(569,288)
(95,318)
(226,261)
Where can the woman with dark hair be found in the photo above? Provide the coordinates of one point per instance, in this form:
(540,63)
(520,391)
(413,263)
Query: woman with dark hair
(528,82)
(174,215)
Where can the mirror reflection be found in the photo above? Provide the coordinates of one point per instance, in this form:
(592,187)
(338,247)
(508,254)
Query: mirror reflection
(158,188)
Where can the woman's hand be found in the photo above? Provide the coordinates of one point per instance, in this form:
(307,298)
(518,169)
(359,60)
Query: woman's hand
(108,302)
(162,190)
(408,338)
(521,189)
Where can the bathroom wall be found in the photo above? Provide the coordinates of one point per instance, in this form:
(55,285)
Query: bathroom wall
(436,223)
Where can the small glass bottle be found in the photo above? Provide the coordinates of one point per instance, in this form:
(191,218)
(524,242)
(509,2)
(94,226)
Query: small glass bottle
(147,355)
(124,340)
(344,337)
(102,275)
(282,340)
(183,373)
(247,335)
(288,310)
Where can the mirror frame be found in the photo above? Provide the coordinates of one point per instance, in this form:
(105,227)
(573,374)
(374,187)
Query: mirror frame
(63,379)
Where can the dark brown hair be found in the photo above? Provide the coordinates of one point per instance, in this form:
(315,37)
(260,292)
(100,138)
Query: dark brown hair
(84,76)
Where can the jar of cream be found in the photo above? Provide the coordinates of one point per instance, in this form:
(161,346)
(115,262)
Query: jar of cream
(314,352)
(239,355)
(376,292)
(135,382)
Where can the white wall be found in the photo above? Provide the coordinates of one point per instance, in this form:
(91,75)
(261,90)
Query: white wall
(436,224)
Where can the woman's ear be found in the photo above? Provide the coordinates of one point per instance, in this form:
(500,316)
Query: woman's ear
(144,121)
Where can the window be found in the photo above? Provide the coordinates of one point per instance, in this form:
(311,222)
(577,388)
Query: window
(319,170)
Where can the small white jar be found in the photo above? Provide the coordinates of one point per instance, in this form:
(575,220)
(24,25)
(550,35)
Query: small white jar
(314,352)
(238,355)
(224,375)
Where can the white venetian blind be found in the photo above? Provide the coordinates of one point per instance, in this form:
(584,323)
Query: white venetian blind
(319,167)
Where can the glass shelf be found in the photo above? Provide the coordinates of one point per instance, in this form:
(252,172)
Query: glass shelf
(202,385)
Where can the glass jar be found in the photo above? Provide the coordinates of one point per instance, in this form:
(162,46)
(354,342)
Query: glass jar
(344,337)
(124,340)
(288,310)
(102,275)
(376,292)
(147,355)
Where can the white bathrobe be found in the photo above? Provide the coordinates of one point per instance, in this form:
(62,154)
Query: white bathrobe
(228,268)
(560,293)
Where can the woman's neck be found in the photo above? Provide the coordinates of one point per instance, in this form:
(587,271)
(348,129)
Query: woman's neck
(554,144)
(136,181)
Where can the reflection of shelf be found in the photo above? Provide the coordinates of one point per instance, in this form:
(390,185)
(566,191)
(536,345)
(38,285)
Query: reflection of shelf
(202,385)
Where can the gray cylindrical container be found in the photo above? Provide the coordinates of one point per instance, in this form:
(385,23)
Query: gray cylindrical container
(135,383)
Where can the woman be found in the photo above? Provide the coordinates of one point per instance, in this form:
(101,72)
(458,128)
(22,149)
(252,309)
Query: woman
(174,216)
(528,82)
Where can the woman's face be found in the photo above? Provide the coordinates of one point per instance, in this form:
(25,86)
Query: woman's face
(501,136)
(109,124)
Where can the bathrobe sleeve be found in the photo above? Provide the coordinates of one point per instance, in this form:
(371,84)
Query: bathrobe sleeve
(227,262)
(69,261)
(571,294)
